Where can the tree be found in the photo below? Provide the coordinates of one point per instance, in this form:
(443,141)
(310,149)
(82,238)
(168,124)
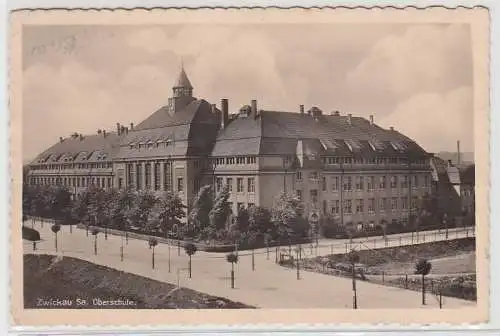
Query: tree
(109,200)
(55,228)
(219,214)
(95,232)
(233,259)
(170,211)
(123,210)
(145,202)
(287,216)
(81,209)
(259,220)
(152,244)
(423,267)
(190,249)
(199,217)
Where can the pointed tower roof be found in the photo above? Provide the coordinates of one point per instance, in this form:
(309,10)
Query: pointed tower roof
(182,80)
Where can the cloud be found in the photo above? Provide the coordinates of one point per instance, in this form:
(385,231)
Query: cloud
(436,121)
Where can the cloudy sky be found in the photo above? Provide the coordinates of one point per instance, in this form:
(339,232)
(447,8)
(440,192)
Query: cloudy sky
(417,78)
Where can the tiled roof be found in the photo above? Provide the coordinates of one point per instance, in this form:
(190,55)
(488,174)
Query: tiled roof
(88,148)
(189,131)
(279,132)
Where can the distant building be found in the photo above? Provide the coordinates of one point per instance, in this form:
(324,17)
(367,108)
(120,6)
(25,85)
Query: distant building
(454,188)
(343,166)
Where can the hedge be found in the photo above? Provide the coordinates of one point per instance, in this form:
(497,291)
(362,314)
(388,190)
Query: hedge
(30,234)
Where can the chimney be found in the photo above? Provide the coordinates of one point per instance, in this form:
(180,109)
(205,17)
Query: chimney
(336,113)
(371,120)
(99,131)
(301,108)
(104,133)
(450,164)
(118,128)
(61,139)
(253,105)
(213,108)
(458,152)
(81,137)
(131,126)
(391,128)
(349,119)
(225,112)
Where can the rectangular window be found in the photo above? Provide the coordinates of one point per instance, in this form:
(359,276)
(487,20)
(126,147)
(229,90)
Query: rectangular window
(167,176)
(120,183)
(218,184)
(78,182)
(359,206)
(348,206)
(335,183)
(335,207)
(130,174)
(415,181)
(299,194)
(180,184)
(138,176)
(426,181)
(240,160)
(325,205)
(414,202)
(251,184)
(251,160)
(371,205)
(299,175)
(404,203)
(404,181)
(147,168)
(157,176)
(229,183)
(394,182)
(370,183)
(360,183)
(348,183)
(313,175)
(109,182)
(239,185)
(314,195)
(383,182)
(323,183)
(196,185)
(394,203)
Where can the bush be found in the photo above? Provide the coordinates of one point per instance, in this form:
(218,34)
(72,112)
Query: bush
(30,234)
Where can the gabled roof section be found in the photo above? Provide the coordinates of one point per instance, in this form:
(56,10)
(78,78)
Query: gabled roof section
(278,133)
(161,118)
(78,148)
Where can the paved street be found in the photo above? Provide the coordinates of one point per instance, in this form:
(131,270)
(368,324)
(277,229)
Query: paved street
(269,286)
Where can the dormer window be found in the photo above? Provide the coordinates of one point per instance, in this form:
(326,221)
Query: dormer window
(131,145)
(150,145)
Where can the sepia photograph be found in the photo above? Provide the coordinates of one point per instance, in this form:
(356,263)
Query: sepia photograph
(250,166)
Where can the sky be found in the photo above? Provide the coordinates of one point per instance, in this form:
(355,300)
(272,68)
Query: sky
(416,78)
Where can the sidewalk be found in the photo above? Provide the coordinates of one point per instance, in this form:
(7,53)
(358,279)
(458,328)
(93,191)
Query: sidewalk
(269,286)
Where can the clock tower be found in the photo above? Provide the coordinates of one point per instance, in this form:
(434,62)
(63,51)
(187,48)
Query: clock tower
(182,93)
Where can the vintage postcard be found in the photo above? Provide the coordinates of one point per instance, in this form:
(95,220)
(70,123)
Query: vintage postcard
(242,166)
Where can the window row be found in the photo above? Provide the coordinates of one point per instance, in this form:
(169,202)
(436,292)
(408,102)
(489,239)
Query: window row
(150,144)
(72,166)
(151,176)
(360,183)
(335,160)
(103,182)
(240,184)
(372,205)
(234,160)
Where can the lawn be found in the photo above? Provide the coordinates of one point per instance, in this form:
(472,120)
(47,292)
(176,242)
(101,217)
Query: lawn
(51,282)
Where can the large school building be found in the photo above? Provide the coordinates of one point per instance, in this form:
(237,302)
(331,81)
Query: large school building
(340,165)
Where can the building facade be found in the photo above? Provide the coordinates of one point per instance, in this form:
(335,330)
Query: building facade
(341,166)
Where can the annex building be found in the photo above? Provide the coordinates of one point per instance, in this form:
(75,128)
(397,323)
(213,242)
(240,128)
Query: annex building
(340,165)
